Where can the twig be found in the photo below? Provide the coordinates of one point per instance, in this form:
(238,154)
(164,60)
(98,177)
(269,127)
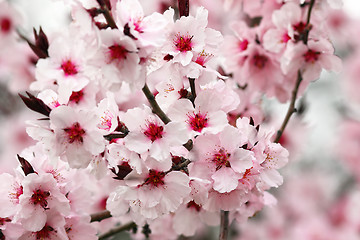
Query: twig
(109,19)
(154,105)
(116,230)
(193,91)
(291,108)
(224,225)
(183,8)
(97,217)
(309,12)
(308,25)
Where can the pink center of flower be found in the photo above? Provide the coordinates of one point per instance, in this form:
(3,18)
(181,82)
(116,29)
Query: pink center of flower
(75,133)
(243,44)
(4,220)
(285,38)
(221,159)
(183,43)
(311,56)
(117,52)
(14,196)
(193,205)
(137,25)
(44,233)
(203,58)
(106,120)
(197,121)
(5,25)
(155,178)
(259,61)
(40,197)
(76,97)
(299,27)
(69,68)
(154,131)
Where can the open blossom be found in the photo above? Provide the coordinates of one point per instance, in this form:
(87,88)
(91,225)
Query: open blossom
(40,193)
(310,59)
(224,158)
(118,59)
(150,195)
(76,138)
(148,133)
(189,36)
(206,117)
(53,229)
(66,70)
(148,31)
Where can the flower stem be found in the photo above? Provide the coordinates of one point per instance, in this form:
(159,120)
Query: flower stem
(224,225)
(154,105)
(116,230)
(193,91)
(97,217)
(183,8)
(291,108)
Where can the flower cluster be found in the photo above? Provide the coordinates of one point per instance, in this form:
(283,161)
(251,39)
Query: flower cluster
(156,118)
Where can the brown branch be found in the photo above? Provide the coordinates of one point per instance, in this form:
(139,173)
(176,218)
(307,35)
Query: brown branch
(116,230)
(97,217)
(312,2)
(109,18)
(183,8)
(154,105)
(193,91)
(308,25)
(224,225)
(291,108)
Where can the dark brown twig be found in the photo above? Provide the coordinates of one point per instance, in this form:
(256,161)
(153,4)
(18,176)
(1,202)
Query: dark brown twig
(97,217)
(193,91)
(224,225)
(291,108)
(116,230)
(183,8)
(154,105)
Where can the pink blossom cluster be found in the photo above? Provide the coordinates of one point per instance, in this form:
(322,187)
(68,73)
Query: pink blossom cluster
(156,118)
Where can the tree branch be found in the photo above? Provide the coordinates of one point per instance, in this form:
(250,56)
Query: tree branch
(224,225)
(97,217)
(116,230)
(183,8)
(291,108)
(154,105)
(193,91)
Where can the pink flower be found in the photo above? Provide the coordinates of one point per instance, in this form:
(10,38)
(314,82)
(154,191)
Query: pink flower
(66,70)
(148,31)
(150,195)
(53,229)
(40,193)
(76,135)
(206,117)
(224,158)
(147,133)
(118,59)
(189,36)
(310,59)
